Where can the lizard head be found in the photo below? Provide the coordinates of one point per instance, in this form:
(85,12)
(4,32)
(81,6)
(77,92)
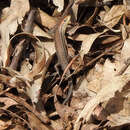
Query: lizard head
(66,19)
(65,22)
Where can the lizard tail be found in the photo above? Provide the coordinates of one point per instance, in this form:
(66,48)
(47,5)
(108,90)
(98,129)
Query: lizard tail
(69,92)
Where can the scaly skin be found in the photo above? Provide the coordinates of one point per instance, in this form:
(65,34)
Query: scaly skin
(61,50)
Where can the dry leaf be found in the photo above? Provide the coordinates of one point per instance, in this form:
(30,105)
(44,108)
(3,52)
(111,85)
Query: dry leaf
(125,53)
(108,91)
(4,125)
(117,120)
(99,87)
(87,42)
(26,67)
(39,62)
(35,123)
(58,125)
(15,14)
(110,39)
(7,102)
(113,16)
(37,31)
(59,4)
(65,112)
(34,90)
(44,18)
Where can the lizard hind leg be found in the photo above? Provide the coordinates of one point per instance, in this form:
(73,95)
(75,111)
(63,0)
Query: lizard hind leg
(70,91)
(58,69)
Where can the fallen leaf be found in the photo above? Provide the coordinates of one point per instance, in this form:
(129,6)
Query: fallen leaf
(35,123)
(59,4)
(108,91)
(65,112)
(113,16)
(15,14)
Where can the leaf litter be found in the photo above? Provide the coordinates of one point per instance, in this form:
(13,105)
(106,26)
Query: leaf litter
(33,89)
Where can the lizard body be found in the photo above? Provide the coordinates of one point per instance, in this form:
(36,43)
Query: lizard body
(61,50)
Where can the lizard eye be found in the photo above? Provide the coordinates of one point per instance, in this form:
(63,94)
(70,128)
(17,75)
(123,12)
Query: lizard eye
(65,20)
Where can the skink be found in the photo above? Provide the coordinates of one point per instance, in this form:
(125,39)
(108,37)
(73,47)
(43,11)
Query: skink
(61,50)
